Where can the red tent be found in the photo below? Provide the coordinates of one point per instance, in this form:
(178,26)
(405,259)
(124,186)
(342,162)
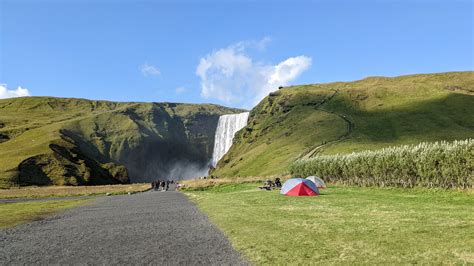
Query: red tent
(299,187)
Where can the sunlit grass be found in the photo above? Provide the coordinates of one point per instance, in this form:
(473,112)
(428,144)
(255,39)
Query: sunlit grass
(439,165)
(63,191)
(12,214)
(344,224)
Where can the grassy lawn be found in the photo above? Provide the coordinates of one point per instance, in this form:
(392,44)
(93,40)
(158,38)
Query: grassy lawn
(12,214)
(344,225)
(65,191)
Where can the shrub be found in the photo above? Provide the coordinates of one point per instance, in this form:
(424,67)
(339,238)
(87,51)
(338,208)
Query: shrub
(439,164)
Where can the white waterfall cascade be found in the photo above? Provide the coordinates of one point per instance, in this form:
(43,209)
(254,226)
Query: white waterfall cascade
(227,126)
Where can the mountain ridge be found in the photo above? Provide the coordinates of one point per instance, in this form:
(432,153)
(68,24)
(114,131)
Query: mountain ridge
(74,141)
(63,141)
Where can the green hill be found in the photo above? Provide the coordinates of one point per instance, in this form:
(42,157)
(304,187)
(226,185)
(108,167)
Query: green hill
(45,140)
(343,117)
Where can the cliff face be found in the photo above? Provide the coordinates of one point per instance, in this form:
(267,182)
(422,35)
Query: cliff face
(58,141)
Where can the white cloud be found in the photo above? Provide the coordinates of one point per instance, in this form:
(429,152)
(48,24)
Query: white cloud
(6,93)
(262,44)
(283,73)
(149,70)
(180,90)
(230,75)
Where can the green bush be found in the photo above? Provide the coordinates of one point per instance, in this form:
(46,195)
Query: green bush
(439,164)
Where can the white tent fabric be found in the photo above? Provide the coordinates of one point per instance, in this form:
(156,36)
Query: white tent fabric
(317,181)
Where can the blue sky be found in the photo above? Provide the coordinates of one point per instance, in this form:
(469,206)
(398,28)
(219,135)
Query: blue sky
(226,52)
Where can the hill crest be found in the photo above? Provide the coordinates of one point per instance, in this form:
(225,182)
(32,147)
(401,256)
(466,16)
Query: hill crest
(343,117)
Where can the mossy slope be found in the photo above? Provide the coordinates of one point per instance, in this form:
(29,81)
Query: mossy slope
(342,117)
(47,140)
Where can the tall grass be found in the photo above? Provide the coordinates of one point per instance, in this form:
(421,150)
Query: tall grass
(439,164)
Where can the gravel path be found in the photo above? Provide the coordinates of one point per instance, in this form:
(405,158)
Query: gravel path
(145,228)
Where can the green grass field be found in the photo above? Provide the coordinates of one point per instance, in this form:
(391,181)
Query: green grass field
(12,214)
(344,225)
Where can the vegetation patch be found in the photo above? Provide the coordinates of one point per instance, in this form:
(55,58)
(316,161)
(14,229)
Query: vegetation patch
(439,164)
(22,212)
(345,225)
(65,191)
(206,184)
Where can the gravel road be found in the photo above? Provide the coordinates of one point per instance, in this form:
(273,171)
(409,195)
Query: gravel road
(145,228)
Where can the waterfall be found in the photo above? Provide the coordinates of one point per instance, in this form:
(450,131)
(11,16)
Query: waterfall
(227,126)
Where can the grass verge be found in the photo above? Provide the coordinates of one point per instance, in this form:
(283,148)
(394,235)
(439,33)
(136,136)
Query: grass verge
(344,224)
(205,184)
(66,191)
(12,214)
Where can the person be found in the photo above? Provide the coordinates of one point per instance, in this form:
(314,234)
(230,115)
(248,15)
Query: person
(267,185)
(270,184)
(162,185)
(277,183)
(167,185)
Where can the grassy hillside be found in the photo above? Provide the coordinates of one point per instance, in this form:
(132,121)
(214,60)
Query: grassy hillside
(46,140)
(342,117)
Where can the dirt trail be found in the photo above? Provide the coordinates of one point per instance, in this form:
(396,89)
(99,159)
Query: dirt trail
(350,128)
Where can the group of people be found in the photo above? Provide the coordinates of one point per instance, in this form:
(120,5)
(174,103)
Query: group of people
(161,185)
(269,184)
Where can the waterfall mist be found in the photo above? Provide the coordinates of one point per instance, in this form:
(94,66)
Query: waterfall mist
(166,160)
(184,150)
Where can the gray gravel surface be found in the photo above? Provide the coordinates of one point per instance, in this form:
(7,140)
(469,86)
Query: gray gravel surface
(162,228)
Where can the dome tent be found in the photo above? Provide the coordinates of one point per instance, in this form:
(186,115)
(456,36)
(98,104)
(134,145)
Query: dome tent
(317,181)
(299,187)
